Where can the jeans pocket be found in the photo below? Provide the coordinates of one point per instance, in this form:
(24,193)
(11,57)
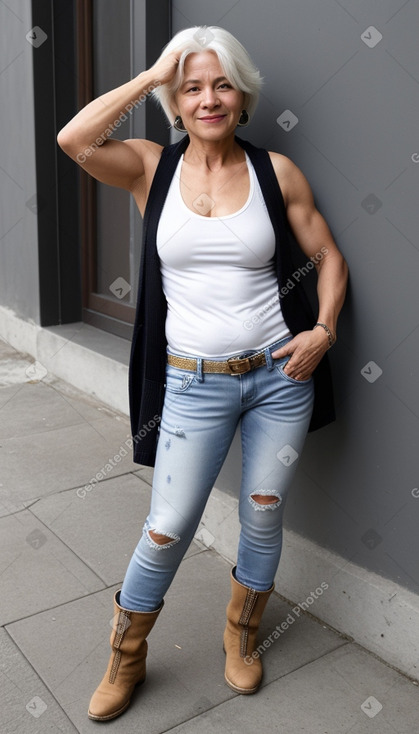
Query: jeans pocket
(177,381)
(279,366)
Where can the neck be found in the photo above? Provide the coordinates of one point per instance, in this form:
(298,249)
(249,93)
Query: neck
(213,154)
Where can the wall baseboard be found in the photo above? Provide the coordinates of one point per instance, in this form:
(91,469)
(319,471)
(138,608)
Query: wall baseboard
(17,332)
(375,612)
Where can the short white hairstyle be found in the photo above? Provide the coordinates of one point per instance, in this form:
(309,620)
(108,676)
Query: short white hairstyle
(234,60)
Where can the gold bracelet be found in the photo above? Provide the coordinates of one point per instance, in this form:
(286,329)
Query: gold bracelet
(331,337)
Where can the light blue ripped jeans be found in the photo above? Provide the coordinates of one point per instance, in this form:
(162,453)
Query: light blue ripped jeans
(199,419)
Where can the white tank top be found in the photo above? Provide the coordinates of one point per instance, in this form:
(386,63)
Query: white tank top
(218,276)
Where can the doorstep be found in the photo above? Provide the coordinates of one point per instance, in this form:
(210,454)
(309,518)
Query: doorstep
(92,360)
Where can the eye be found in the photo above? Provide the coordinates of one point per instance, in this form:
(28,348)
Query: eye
(192,89)
(225,84)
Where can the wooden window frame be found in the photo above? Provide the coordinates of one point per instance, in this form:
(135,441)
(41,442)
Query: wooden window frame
(95,305)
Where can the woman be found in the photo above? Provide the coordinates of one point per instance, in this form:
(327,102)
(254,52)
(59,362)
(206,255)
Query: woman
(223,333)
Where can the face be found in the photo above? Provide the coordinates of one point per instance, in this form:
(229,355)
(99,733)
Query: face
(207,103)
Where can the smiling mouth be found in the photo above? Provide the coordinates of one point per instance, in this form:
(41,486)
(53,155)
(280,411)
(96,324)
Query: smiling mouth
(212,118)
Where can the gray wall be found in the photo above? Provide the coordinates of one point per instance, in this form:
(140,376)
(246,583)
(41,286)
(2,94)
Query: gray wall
(19,282)
(356,490)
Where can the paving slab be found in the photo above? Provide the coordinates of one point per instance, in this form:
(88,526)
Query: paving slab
(43,463)
(26,705)
(186,660)
(11,372)
(37,570)
(13,366)
(102,526)
(34,407)
(22,374)
(347,691)
(53,436)
(145,473)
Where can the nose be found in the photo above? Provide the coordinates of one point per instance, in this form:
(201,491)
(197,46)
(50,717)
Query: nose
(209,97)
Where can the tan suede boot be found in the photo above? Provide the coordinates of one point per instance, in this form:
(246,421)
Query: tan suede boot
(126,666)
(243,672)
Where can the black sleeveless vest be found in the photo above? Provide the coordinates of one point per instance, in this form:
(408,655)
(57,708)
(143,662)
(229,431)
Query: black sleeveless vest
(148,349)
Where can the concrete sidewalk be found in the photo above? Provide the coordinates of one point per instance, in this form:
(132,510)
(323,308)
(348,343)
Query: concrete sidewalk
(64,546)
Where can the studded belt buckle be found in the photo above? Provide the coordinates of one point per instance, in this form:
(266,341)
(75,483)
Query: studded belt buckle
(239,366)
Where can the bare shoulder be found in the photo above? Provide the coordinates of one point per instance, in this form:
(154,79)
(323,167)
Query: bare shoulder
(280,162)
(290,178)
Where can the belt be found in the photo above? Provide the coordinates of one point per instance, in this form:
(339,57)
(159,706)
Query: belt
(232,366)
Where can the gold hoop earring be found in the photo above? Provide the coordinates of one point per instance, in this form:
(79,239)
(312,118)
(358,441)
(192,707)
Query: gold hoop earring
(178,124)
(244,119)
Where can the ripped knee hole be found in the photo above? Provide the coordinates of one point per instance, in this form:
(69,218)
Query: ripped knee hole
(265,499)
(159,538)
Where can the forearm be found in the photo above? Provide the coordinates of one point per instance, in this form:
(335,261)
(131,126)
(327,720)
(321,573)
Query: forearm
(331,289)
(100,115)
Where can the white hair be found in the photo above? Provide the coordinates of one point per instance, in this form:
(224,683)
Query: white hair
(234,60)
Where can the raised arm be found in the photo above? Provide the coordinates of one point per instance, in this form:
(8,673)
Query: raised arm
(315,239)
(86,137)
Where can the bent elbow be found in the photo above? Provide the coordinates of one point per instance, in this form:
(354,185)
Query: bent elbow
(68,141)
(65,140)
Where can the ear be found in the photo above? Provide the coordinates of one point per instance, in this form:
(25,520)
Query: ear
(174,105)
(174,109)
